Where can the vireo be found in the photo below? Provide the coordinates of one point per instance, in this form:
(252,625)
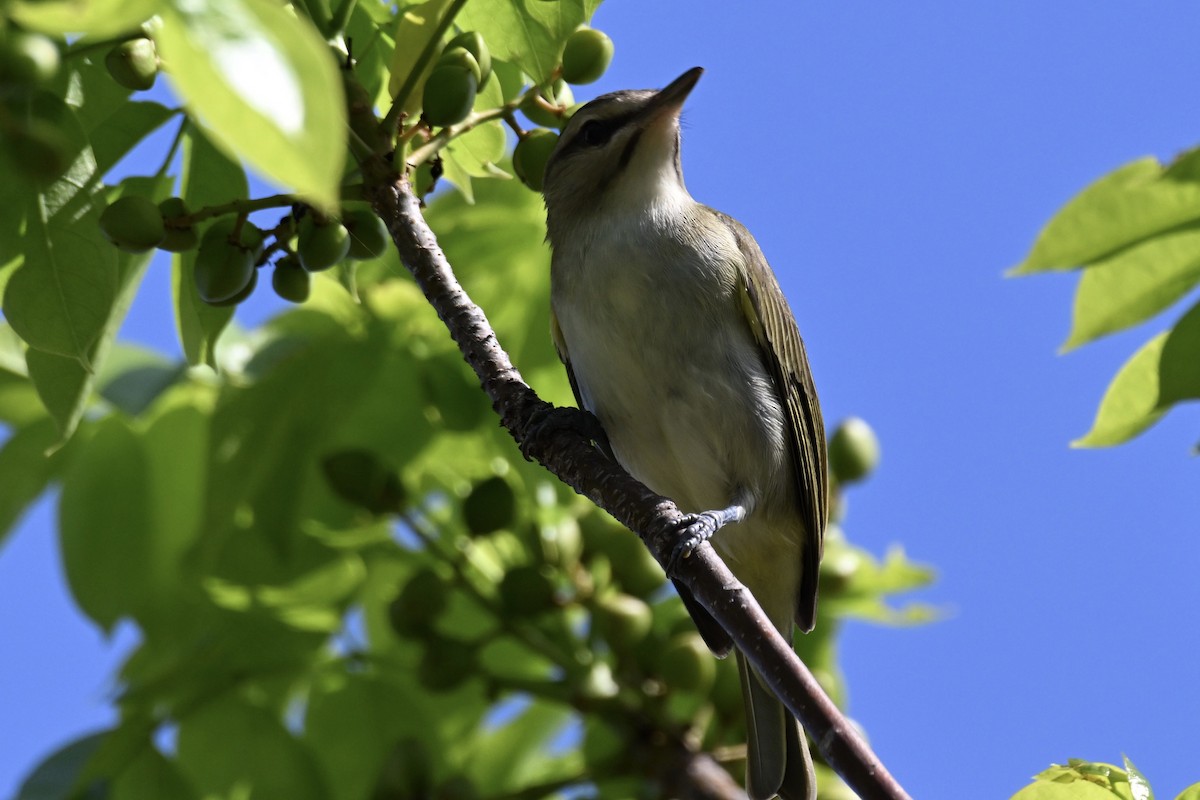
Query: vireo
(677,337)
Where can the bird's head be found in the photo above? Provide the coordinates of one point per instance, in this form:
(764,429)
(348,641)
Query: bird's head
(620,151)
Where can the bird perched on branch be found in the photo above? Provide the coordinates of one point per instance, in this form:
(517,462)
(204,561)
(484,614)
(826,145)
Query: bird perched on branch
(677,337)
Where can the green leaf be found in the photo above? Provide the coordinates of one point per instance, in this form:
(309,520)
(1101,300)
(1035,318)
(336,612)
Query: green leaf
(124,129)
(277,765)
(1135,202)
(209,178)
(266,86)
(1138,784)
(416,26)
(95,18)
(105,527)
(25,469)
(150,776)
(517,754)
(1134,284)
(57,777)
(531,35)
(1130,405)
(64,384)
(133,377)
(1076,790)
(1190,793)
(1179,367)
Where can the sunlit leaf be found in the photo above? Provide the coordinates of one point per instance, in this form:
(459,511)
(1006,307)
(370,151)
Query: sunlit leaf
(94,18)
(1190,793)
(1133,203)
(530,35)
(265,86)
(1134,284)
(1130,405)
(415,28)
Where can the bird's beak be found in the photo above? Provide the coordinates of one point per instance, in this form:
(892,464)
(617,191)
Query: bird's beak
(669,100)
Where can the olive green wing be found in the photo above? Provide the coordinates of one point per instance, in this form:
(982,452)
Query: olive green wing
(560,347)
(774,328)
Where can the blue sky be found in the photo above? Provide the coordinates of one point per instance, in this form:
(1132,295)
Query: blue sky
(893,160)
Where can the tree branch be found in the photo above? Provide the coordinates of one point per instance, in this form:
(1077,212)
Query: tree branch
(575,460)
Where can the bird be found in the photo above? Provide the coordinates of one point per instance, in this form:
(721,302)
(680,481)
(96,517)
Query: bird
(677,338)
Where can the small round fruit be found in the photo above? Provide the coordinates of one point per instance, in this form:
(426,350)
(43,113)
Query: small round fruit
(418,605)
(449,95)
(133,223)
(686,664)
(490,506)
(560,97)
(291,281)
(180,236)
(322,246)
(623,620)
(27,60)
(634,566)
(531,155)
(133,64)
(586,55)
(246,291)
(526,590)
(462,57)
(224,268)
(473,43)
(853,451)
(369,237)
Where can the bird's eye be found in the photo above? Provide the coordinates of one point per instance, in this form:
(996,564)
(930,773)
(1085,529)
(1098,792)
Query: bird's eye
(594,133)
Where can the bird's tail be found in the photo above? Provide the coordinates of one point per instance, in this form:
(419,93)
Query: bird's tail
(777,757)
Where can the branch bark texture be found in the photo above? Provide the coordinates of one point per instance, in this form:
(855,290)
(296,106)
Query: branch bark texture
(575,460)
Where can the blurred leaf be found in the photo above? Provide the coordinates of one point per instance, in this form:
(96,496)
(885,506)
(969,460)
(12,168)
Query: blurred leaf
(1130,405)
(1179,366)
(266,87)
(1134,284)
(57,777)
(219,765)
(25,469)
(105,528)
(520,753)
(209,178)
(95,18)
(1127,206)
(150,776)
(530,35)
(1190,793)
(133,377)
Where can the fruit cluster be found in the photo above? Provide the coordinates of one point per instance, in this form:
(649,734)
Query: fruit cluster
(232,249)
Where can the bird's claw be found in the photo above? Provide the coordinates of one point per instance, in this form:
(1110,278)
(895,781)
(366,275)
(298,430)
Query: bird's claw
(692,531)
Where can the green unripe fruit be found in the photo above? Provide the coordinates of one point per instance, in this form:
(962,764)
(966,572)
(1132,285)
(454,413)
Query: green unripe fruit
(359,477)
(560,97)
(490,506)
(726,694)
(133,64)
(446,664)
(322,246)
(180,236)
(623,620)
(461,57)
(449,95)
(473,43)
(634,566)
(246,291)
(291,281)
(39,149)
(418,605)
(225,268)
(853,451)
(369,237)
(526,590)
(686,664)
(531,155)
(27,60)
(133,223)
(586,55)
(457,787)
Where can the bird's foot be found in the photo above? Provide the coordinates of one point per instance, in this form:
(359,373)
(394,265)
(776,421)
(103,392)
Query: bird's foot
(696,529)
(548,421)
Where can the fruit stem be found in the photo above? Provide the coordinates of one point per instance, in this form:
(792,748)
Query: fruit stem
(443,137)
(174,148)
(410,81)
(84,47)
